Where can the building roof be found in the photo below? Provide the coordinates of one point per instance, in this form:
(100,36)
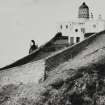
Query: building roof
(88,34)
(83,6)
(59,36)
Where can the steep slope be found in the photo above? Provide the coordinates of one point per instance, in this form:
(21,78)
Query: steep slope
(80,80)
(42,52)
(28,73)
(91,45)
(92,53)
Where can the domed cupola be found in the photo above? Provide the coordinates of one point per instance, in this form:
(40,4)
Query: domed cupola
(83,11)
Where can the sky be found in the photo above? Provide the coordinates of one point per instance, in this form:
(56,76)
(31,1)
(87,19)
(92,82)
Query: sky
(25,20)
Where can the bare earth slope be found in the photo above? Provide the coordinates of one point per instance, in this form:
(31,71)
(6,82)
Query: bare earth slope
(31,72)
(78,81)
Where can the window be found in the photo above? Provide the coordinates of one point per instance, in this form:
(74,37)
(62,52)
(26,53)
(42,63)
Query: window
(71,40)
(61,26)
(76,30)
(83,30)
(77,39)
(94,25)
(66,26)
(70,26)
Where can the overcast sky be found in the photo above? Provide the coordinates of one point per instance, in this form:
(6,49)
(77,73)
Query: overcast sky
(23,20)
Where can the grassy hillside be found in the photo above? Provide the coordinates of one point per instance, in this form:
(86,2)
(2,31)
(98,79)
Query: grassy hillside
(77,81)
(84,85)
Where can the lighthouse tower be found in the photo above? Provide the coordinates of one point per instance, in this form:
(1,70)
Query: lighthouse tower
(83,11)
(83,27)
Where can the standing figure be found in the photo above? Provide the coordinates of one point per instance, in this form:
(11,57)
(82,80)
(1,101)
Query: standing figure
(33,47)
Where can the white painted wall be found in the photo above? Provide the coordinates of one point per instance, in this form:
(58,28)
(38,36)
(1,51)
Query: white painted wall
(94,26)
(91,26)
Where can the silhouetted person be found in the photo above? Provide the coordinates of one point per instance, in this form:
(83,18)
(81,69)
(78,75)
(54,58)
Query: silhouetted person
(33,47)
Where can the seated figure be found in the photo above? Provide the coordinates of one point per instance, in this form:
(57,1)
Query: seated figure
(33,47)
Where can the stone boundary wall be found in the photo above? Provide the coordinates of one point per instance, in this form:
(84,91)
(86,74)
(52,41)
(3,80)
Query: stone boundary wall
(68,53)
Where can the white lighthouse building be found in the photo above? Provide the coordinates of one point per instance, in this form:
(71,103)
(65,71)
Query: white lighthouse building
(82,28)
